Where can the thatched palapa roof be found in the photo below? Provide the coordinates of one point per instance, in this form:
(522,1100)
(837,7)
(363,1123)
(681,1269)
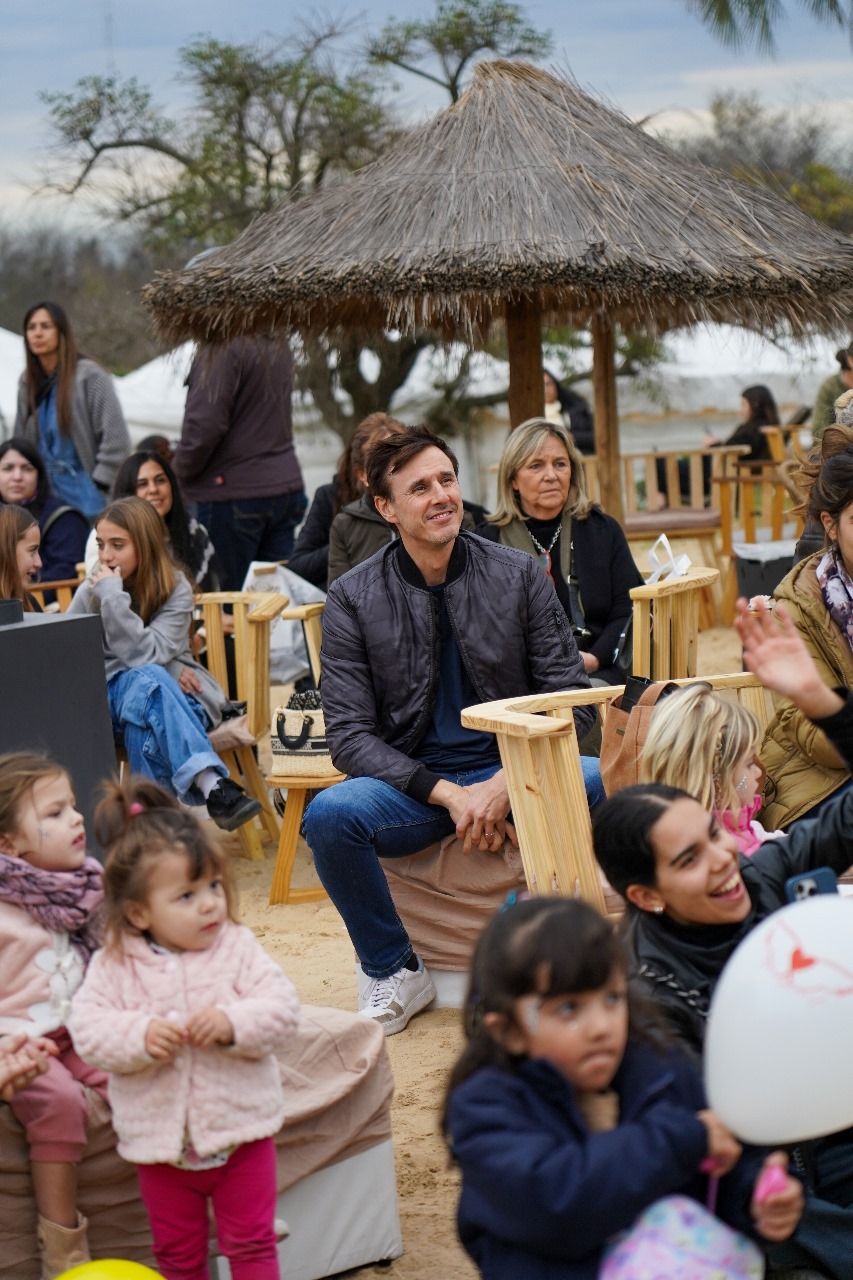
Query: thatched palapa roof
(526,187)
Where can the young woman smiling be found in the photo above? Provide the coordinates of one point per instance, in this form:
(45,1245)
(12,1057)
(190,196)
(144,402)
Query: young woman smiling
(148,475)
(692,899)
(20,561)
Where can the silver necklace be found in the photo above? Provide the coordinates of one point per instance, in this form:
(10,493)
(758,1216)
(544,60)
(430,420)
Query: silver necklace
(544,553)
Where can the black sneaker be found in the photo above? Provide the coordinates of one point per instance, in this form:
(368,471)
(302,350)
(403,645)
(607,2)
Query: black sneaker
(229,806)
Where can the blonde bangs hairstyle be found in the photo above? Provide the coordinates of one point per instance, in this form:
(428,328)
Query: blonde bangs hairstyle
(695,740)
(523,444)
(156,572)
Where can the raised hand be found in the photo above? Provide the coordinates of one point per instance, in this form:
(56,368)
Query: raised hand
(774,650)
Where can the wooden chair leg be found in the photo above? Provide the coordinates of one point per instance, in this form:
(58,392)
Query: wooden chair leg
(280,890)
(253,781)
(250,841)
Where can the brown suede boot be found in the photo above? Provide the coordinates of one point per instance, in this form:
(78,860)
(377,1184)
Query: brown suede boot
(62,1247)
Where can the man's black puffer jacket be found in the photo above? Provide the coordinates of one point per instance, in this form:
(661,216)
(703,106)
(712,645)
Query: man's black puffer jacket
(380,652)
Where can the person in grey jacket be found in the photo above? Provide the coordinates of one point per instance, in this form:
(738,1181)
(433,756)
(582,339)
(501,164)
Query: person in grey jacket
(236,457)
(68,409)
(162,703)
(432,623)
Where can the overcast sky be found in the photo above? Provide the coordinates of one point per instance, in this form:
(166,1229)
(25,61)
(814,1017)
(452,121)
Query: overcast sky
(643,55)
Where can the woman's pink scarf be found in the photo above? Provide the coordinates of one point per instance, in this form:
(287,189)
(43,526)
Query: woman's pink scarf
(62,901)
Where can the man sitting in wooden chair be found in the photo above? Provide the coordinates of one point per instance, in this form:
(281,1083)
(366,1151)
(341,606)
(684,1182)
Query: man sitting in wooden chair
(432,622)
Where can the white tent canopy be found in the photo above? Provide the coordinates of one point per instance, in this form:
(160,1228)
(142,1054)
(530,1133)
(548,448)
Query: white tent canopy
(706,370)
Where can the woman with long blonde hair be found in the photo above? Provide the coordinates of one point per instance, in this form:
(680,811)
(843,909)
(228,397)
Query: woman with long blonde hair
(145,605)
(543,509)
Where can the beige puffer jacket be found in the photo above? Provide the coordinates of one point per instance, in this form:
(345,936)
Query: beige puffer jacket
(798,756)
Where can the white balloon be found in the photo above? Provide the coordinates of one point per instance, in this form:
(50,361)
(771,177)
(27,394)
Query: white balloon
(779,1044)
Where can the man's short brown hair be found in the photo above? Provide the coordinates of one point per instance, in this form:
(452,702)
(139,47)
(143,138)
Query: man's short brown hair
(387,457)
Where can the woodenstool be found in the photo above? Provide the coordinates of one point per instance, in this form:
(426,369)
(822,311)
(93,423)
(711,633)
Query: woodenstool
(296,787)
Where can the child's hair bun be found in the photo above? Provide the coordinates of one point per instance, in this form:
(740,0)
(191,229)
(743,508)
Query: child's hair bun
(125,802)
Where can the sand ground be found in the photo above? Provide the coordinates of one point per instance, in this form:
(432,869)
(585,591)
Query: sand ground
(312,946)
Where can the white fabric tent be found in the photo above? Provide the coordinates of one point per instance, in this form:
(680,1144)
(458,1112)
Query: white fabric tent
(11,365)
(706,370)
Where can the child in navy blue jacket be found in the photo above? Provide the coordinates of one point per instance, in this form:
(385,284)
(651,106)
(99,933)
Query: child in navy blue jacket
(567,1123)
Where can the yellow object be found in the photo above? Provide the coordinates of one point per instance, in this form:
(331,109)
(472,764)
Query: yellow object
(111,1269)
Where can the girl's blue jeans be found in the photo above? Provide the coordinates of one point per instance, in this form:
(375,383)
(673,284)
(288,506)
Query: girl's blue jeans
(163,730)
(350,826)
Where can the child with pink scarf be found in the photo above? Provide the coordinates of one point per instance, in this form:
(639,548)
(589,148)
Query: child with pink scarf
(50,899)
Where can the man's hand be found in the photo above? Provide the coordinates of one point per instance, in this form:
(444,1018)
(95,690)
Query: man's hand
(163,1039)
(590,662)
(774,650)
(208,1027)
(479,811)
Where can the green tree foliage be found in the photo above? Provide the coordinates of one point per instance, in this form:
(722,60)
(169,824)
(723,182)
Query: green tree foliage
(791,152)
(262,125)
(441,48)
(745,22)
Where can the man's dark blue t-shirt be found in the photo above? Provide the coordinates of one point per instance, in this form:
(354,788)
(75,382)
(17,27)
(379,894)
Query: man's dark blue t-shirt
(446,745)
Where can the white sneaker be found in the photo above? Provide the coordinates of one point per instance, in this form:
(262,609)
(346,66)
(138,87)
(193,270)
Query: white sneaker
(394,1000)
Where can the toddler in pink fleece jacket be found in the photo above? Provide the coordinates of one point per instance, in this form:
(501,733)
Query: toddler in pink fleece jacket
(184,1009)
(50,903)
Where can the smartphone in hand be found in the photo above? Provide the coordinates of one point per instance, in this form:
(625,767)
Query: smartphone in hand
(810,883)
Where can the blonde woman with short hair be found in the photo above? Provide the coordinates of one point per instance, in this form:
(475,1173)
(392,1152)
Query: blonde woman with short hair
(543,509)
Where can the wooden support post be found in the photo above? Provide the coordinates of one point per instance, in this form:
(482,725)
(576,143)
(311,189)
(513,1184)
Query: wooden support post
(524,346)
(606,413)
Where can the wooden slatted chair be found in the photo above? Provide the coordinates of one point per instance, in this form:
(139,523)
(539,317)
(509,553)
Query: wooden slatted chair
(758,506)
(298,786)
(62,588)
(254,612)
(539,751)
(652,508)
(666,624)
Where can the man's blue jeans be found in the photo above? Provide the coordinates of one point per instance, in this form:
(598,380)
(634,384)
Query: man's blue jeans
(248,529)
(349,826)
(163,730)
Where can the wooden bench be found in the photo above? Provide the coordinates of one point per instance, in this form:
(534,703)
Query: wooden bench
(539,751)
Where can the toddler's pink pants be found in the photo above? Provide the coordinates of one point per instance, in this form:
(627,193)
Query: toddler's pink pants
(242,1193)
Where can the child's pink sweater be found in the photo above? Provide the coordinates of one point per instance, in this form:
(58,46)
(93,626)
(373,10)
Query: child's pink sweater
(218,1097)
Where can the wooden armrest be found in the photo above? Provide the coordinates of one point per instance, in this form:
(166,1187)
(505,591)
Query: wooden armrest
(268,607)
(301,612)
(696,576)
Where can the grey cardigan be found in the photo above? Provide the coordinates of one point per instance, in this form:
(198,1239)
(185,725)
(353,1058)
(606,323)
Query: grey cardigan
(98,429)
(129,642)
